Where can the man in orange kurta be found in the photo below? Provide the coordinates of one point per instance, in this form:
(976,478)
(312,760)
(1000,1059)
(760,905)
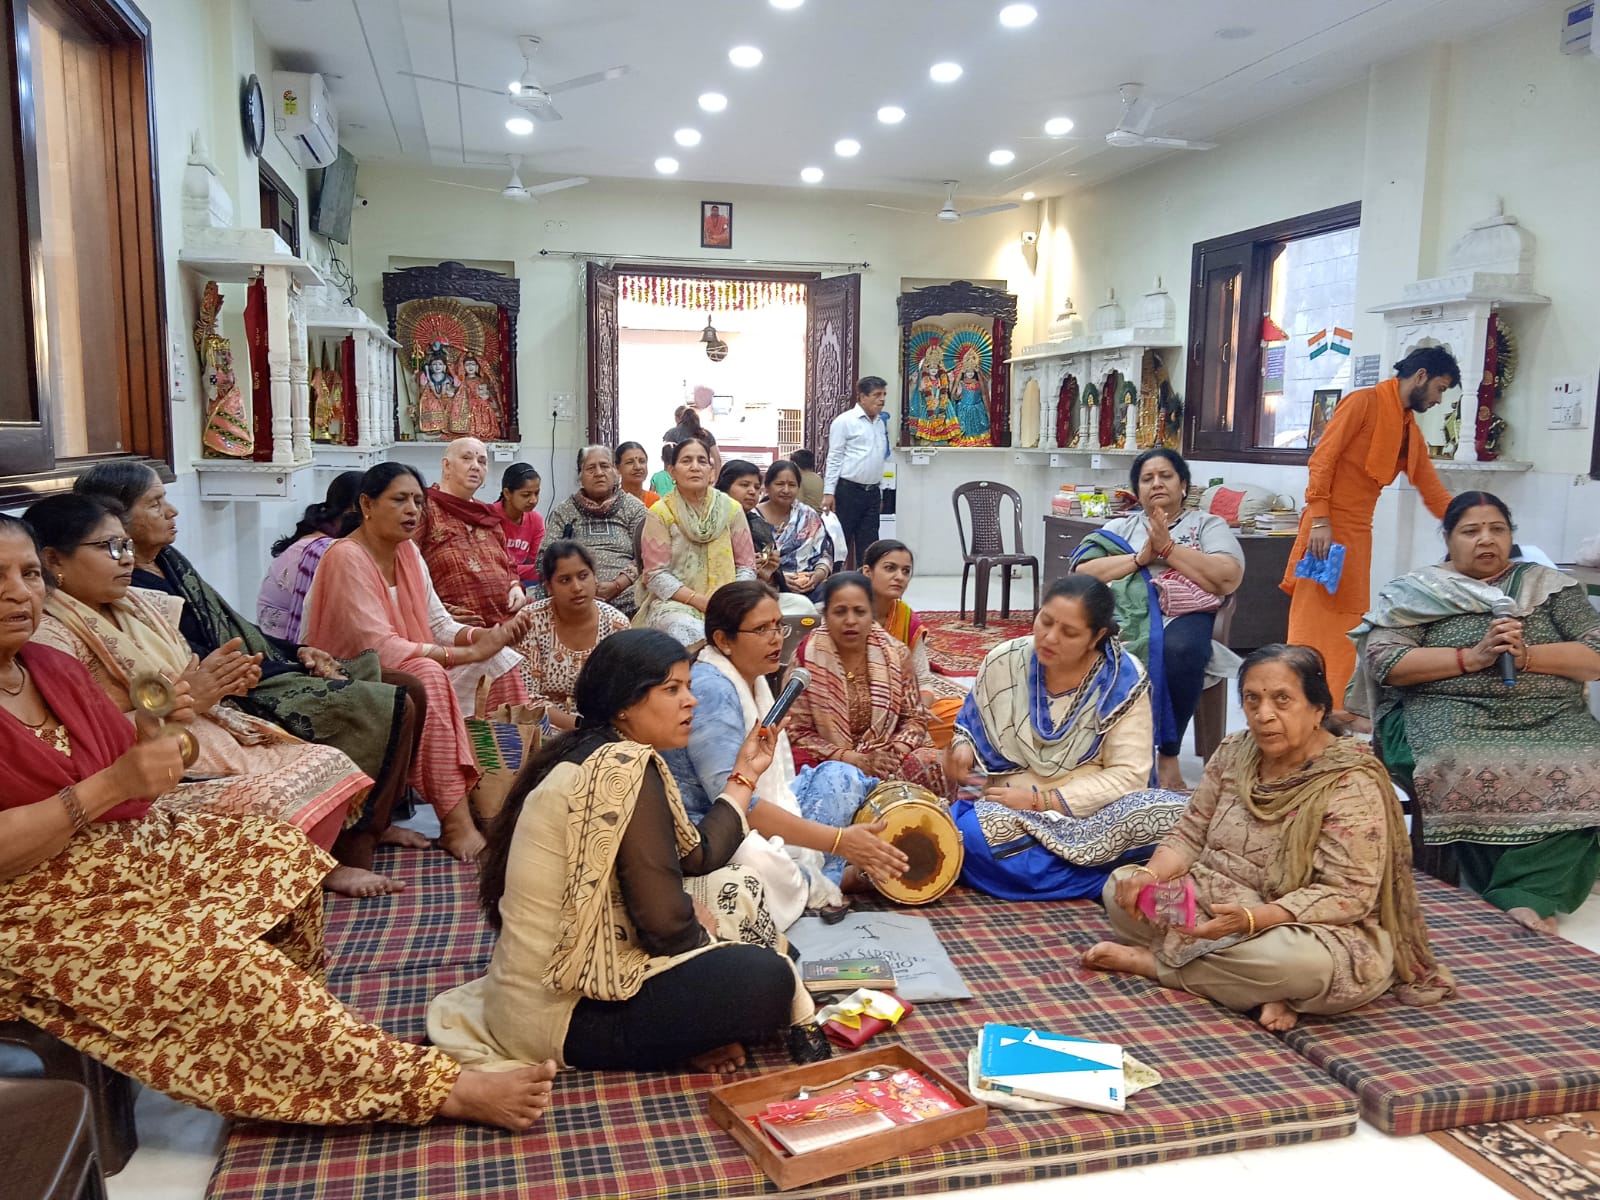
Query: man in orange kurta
(1372,437)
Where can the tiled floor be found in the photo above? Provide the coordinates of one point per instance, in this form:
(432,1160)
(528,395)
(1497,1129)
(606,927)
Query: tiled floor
(178,1144)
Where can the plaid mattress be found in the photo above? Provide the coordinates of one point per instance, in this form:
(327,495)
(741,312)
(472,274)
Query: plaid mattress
(1522,1039)
(1227,1085)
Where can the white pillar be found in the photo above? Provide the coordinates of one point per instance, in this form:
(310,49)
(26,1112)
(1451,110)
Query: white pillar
(276,280)
(299,378)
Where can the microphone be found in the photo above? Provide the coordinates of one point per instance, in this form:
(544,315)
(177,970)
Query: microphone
(1505,606)
(799,680)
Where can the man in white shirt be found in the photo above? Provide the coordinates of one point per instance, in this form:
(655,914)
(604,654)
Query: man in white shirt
(858,444)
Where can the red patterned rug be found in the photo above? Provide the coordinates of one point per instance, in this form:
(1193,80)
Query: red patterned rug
(1534,1158)
(957,646)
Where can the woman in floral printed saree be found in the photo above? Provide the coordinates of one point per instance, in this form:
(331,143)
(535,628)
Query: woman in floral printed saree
(181,948)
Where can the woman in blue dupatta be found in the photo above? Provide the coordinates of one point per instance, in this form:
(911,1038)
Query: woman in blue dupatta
(1169,571)
(1054,743)
(1509,776)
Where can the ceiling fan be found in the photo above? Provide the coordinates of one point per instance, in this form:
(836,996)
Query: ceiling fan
(527,92)
(1137,113)
(949,212)
(515,189)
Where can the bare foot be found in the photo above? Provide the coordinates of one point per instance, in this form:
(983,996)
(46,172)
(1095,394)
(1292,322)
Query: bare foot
(1277,1016)
(397,835)
(1125,960)
(459,836)
(355,881)
(721,1061)
(512,1100)
(1169,775)
(1526,916)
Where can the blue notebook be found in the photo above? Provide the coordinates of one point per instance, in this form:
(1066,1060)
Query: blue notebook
(1048,1066)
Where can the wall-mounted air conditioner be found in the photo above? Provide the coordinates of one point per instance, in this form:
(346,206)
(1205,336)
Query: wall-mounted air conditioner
(304,118)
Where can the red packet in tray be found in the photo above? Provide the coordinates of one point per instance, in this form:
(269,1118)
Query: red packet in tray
(864,1014)
(907,1096)
(1170,902)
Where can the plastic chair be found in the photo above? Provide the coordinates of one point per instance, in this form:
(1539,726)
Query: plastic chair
(111,1094)
(1211,714)
(48,1150)
(986,549)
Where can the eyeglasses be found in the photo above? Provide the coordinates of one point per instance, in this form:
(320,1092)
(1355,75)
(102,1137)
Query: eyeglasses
(118,548)
(770,630)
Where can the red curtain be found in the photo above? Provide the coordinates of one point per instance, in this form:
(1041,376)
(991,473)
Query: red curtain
(347,379)
(255,328)
(1000,386)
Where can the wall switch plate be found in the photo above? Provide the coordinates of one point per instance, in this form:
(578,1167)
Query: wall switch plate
(1569,404)
(564,405)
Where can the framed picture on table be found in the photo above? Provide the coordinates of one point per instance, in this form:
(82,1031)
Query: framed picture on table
(716,225)
(1323,402)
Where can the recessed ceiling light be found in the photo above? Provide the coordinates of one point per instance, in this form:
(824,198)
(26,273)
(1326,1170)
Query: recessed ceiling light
(745,56)
(1015,16)
(687,137)
(811,174)
(713,101)
(1027,195)
(667,166)
(891,114)
(1000,158)
(847,147)
(520,126)
(944,72)
(787,3)
(1234,33)
(1058,126)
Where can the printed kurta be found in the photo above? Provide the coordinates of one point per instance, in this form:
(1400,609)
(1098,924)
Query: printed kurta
(1372,437)
(550,667)
(280,605)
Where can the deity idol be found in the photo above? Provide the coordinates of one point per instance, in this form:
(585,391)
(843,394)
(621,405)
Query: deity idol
(972,405)
(438,388)
(227,431)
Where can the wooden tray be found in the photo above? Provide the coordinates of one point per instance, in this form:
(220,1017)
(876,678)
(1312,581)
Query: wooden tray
(733,1104)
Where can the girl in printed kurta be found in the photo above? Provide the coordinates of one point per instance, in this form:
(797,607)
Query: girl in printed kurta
(1510,777)
(1299,858)
(889,565)
(245,764)
(863,706)
(372,591)
(694,540)
(564,628)
(181,948)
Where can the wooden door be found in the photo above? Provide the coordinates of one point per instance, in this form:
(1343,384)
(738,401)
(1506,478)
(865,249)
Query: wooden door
(603,420)
(833,356)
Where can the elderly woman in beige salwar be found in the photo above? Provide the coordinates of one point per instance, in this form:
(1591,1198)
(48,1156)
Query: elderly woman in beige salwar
(1300,862)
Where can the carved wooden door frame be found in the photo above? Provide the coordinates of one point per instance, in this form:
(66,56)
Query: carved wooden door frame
(833,355)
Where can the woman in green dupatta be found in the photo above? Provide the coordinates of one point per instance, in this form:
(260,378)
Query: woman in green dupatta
(1295,852)
(694,540)
(1510,776)
(372,715)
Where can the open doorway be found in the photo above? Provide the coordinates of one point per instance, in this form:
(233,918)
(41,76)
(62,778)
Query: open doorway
(668,358)
(735,349)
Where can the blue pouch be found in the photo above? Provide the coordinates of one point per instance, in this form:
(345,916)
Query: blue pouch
(1325,571)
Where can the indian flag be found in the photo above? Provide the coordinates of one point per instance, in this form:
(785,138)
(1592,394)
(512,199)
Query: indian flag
(1341,340)
(1318,342)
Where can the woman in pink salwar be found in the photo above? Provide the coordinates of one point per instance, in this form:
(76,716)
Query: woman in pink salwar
(372,591)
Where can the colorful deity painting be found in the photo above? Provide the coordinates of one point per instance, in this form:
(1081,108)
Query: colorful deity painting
(951,366)
(454,353)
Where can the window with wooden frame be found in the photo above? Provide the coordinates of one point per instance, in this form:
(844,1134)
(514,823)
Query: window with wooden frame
(81,275)
(1270,317)
(280,208)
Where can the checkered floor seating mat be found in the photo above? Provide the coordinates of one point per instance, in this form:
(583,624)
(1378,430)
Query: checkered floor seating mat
(1227,1085)
(1521,1039)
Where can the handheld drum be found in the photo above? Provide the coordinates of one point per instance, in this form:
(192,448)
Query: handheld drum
(153,694)
(920,827)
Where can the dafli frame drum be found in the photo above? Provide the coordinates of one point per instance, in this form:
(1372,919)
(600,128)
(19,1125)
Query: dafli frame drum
(920,827)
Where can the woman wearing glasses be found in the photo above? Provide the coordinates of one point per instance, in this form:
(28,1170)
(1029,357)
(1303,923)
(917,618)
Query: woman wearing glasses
(810,814)
(245,765)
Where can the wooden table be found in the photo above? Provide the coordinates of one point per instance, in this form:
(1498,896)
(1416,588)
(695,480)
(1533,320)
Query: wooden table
(1262,616)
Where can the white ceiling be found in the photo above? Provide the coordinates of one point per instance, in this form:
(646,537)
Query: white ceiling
(829,65)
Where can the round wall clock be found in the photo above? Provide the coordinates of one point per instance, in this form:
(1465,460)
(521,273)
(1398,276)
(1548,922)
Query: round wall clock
(253,116)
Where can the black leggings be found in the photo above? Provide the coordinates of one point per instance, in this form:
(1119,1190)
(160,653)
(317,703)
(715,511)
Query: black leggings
(1188,650)
(731,994)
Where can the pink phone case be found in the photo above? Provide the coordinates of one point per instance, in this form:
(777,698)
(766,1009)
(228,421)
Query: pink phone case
(1169,903)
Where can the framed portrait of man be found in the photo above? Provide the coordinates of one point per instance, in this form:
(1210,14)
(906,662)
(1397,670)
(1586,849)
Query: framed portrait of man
(716,225)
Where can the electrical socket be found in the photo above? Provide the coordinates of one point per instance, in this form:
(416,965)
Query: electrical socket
(563,406)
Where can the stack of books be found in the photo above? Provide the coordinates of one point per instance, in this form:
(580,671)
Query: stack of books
(1048,1066)
(1279,522)
(865,1106)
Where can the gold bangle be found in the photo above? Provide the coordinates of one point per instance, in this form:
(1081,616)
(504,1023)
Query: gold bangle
(742,779)
(1147,871)
(837,836)
(1249,915)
